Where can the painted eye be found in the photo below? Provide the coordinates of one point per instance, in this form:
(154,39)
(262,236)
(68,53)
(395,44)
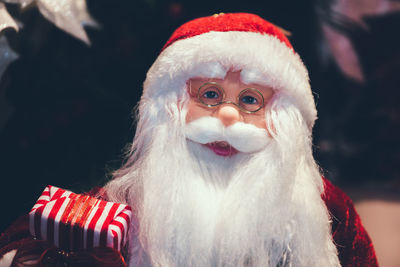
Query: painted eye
(249,100)
(211,94)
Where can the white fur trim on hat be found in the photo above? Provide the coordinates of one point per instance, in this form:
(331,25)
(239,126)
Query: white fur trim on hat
(262,59)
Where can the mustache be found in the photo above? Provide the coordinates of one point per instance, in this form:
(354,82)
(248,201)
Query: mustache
(242,136)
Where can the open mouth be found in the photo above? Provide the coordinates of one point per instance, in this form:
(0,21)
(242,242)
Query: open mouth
(222,148)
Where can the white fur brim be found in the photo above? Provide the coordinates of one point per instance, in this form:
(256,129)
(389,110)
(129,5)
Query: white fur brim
(262,59)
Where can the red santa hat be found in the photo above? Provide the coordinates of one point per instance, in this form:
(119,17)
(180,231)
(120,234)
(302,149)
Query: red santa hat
(210,46)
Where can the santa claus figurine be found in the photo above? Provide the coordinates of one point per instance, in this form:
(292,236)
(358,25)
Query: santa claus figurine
(221,171)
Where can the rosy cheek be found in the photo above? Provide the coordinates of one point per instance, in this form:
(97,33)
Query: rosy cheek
(189,117)
(196,111)
(193,112)
(260,122)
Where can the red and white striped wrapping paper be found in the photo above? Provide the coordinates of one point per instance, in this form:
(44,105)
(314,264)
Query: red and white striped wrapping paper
(72,221)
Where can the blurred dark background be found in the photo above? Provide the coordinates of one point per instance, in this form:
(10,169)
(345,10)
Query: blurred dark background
(67,107)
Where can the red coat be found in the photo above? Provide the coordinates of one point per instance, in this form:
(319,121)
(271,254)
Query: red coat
(352,241)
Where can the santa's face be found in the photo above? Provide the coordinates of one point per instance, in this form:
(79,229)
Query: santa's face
(216,185)
(230,101)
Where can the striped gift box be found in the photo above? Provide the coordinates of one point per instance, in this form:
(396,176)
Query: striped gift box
(73,221)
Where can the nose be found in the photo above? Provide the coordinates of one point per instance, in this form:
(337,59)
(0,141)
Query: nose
(228,115)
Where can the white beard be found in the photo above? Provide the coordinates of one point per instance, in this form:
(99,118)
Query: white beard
(195,208)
